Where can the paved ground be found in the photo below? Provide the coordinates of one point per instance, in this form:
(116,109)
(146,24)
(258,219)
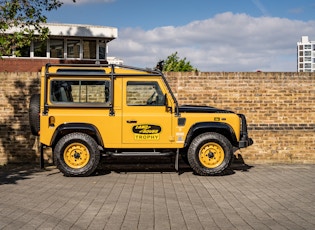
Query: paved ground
(140,197)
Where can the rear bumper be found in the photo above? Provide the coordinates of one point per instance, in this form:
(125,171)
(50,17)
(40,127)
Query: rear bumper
(245,141)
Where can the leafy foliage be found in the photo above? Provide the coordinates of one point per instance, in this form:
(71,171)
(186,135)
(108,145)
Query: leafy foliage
(23,19)
(175,64)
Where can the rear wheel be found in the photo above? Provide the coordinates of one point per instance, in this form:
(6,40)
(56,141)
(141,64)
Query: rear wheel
(210,154)
(77,154)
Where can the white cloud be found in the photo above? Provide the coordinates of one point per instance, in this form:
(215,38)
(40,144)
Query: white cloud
(226,42)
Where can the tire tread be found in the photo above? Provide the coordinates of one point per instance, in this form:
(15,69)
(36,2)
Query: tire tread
(90,144)
(193,150)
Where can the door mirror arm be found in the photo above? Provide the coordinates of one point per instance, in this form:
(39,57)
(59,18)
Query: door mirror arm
(168,108)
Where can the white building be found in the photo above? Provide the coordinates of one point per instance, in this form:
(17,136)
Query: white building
(306,55)
(66,43)
(114,60)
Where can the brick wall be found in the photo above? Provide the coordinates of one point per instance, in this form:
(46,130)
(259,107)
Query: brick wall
(16,142)
(280,109)
(12,64)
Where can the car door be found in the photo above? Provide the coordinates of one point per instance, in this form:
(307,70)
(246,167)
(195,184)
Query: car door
(146,119)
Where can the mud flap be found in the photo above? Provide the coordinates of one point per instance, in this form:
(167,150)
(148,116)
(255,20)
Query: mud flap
(41,159)
(176,161)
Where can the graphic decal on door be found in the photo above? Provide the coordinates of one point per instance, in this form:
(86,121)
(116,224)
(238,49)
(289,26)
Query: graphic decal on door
(146,132)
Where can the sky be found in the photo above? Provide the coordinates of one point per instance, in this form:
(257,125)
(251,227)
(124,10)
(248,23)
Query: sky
(214,36)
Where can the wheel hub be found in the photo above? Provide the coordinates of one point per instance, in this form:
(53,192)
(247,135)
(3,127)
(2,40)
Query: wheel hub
(211,155)
(76,155)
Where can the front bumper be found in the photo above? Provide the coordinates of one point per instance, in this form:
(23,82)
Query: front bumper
(245,141)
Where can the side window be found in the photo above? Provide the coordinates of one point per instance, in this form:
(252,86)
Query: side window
(80,91)
(144,94)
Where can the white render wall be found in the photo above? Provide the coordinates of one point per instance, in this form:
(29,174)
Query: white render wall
(77,30)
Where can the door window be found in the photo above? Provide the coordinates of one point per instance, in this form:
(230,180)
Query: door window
(144,94)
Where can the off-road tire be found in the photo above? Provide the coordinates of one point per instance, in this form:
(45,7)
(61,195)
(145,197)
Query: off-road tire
(33,113)
(76,154)
(210,154)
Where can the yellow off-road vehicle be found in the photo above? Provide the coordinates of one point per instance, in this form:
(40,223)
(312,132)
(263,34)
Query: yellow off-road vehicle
(86,111)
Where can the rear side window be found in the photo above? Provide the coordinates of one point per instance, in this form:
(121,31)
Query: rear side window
(80,91)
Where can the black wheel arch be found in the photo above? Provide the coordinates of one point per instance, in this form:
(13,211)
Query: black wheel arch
(86,128)
(216,127)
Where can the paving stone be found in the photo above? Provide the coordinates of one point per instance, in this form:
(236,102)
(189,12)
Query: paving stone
(263,197)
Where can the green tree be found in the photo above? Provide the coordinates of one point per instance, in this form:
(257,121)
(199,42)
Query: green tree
(27,16)
(175,64)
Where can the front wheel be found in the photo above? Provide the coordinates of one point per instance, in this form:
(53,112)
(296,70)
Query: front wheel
(77,154)
(210,154)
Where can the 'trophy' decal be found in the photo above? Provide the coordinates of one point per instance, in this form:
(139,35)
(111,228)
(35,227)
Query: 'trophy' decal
(146,132)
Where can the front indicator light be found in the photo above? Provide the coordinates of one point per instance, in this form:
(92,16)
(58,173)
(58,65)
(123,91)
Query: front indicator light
(52,121)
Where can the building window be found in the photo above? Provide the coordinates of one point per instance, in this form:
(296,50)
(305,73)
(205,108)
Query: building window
(63,48)
(89,49)
(308,47)
(56,48)
(307,53)
(300,47)
(308,65)
(102,49)
(73,49)
(40,48)
(308,59)
(25,51)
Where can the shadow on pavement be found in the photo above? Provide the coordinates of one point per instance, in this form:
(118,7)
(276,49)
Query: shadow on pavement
(239,164)
(158,164)
(139,164)
(12,173)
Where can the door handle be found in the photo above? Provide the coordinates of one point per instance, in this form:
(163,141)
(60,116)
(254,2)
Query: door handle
(131,121)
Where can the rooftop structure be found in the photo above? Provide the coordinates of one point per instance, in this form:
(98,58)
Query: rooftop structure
(306,55)
(67,43)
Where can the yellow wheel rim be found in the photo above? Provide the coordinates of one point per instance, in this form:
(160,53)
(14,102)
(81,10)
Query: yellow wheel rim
(211,155)
(76,155)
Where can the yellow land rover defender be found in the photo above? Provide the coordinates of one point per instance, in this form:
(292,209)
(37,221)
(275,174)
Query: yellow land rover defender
(86,111)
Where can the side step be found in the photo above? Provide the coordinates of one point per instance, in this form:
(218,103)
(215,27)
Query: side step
(140,154)
(146,154)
